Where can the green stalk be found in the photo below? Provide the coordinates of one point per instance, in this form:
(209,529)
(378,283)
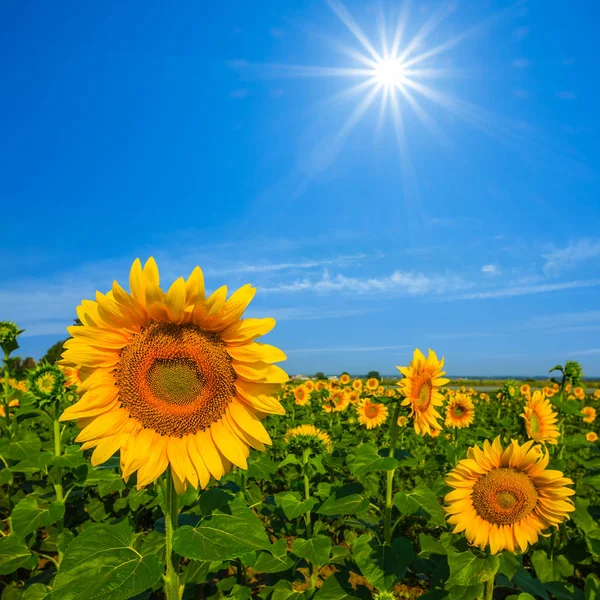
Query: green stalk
(489,589)
(173,591)
(307,518)
(387,519)
(6,388)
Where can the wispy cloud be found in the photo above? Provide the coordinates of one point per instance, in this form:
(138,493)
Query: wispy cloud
(399,282)
(307,314)
(588,352)
(569,256)
(490,270)
(525,290)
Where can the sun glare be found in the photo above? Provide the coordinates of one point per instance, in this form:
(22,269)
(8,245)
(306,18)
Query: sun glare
(389,73)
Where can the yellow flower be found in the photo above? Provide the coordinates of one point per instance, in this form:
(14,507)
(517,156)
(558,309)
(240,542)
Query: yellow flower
(460,411)
(308,433)
(540,420)
(320,385)
(372,384)
(591,436)
(301,396)
(172,379)
(340,400)
(420,386)
(345,379)
(525,389)
(371,414)
(11,404)
(354,397)
(434,433)
(309,386)
(505,499)
(357,384)
(597,394)
(402,421)
(590,414)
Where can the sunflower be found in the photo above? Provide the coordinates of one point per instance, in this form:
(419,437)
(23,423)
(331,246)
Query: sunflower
(590,414)
(460,411)
(72,375)
(402,421)
(525,389)
(357,384)
(372,384)
(320,385)
(371,414)
(354,397)
(309,386)
(345,379)
(591,436)
(340,400)
(434,433)
(305,435)
(540,421)
(11,404)
(420,387)
(301,396)
(506,498)
(46,381)
(172,379)
(596,395)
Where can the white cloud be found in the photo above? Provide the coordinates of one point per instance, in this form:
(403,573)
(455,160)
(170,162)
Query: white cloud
(347,349)
(524,290)
(404,283)
(306,314)
(574,253)
(490,270)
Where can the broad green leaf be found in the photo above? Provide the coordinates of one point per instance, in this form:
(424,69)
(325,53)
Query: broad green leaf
(367,460)
(292,504)
(28,515)
(466,592)
(102,564)
(592,587)
(593,541)
(551,569)
(227,533)
(522,596)
(336,588)
(429,545)
(290,459)
(582,517)
(526,583)
(24,448)
(274,561)
(196,571)
(382,564)
(261,467)
(36,591)
(509,564)
(96,476)
(14,554)
(406,505)
(428,501)
(345,500)
(467,569)
(316,550)
(282,590)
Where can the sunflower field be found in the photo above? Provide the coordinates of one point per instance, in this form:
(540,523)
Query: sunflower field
(167,456)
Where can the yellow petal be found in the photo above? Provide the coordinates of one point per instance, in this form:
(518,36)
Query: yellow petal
(237,304)
(156,463)
(104,425)
(260,371)
(175,300)
(197,460)
(247,330)
(255,352)
(248,421)
(212,458)
(228,444)
(136,282)
(179,458)
(194,287)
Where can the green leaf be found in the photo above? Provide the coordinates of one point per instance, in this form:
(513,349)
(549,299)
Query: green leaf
(551,569)
(382,564)
(292,504)
(592,587)
(36,591)
(28,515)
(367,460)
(427,500)
(276,560)
(467,569)
(345,500)
(407,506)
(316,550)
(429,545)
(14,554)
(227,533)
(102,564)
(336,588)
(509,564)
(522,596)
(582,516)
(25,448)
(290,459)
(593,541)
(261,467)
(526,583)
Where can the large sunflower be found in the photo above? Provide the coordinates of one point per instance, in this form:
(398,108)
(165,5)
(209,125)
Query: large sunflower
(540,421)
(371,414)
(506,498)
(420,387)
(172,378)
(460,411)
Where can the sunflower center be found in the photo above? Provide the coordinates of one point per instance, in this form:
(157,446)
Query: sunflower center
(372,411)
(424,397)
(504,496)
(175,379)
(458,410)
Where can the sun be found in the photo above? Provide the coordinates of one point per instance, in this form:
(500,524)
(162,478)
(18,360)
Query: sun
(389,73)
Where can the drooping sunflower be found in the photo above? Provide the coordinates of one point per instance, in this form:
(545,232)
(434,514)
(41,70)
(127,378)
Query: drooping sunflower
(371,414)
(460,411)
(591,436)
(308,434)
(420,387)
(589,413)
(172,379)
(301,396)
(372,384)
(540,420)
(505,499)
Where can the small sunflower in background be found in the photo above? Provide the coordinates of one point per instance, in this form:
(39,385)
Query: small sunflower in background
(421,389)
(525,389)
(303,436)
(12,404)
(320,386)
(589,413)
(460,411)
(46,382)
(357,384)
(340,401)
(380,391)
(172,379)
(301,396)
(309,386)
(540,419)
(372,384)
(402,421)
(591,436)
(506,498)
(371,414)
(344,379)
(354,397)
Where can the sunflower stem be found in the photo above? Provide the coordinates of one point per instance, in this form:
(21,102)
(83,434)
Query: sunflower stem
(489,589)
(58,488)
(307,517)
(6,389)
(173,591)
(387,520)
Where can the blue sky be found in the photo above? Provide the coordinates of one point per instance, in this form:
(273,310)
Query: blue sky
(193,135)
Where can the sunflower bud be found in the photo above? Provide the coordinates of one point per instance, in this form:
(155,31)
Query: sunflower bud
(8,336)
(46,382)
(573,372)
